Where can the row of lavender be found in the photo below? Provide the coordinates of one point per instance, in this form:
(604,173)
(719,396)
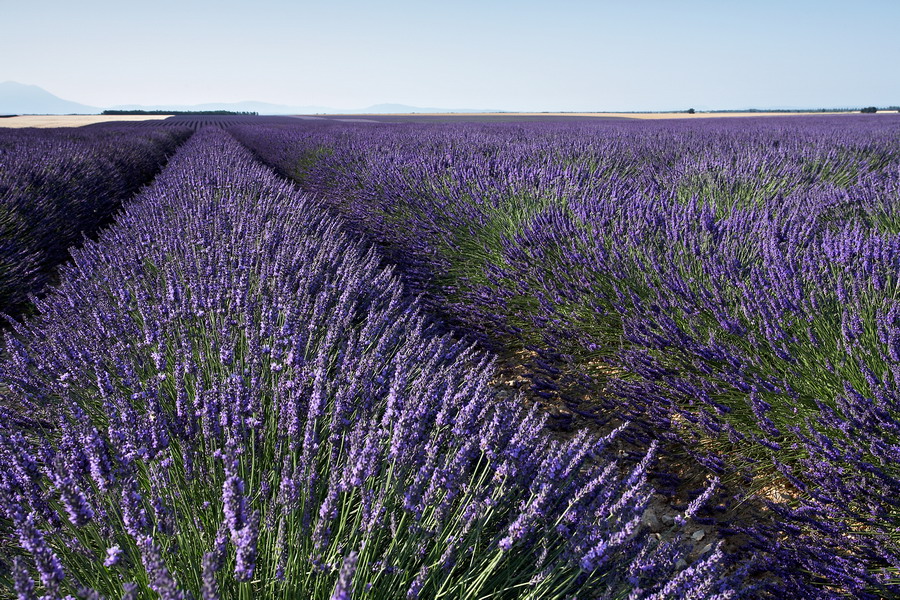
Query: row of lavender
(57,185)
(196,122)
(227,396)
(731,283)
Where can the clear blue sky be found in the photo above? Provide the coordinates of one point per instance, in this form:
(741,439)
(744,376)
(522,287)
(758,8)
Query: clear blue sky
(512,55)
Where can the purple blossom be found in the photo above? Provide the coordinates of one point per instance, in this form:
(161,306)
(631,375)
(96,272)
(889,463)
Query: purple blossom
(699,501)
(161,580)
(49,568)
(388,418)
(22,582)
(134,515)
(113,556)
(73,499)
(343,590)
(415,588)
(212,564)
(130,591)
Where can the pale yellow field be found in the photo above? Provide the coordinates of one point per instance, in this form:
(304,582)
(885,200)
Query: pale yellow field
(71,120)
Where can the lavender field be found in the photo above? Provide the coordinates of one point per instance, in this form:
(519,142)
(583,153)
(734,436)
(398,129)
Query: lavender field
(252,357)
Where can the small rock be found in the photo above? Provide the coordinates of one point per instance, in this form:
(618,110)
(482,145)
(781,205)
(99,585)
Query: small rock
(668,519)
(681,564)
(650,520)
(698,535)
(561,413)
(560,419)
(706,548)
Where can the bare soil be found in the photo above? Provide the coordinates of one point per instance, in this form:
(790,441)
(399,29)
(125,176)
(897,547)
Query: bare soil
(735,504)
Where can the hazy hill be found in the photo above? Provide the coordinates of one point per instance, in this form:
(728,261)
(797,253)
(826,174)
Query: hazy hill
(263,108)
(404,108)
(21,99)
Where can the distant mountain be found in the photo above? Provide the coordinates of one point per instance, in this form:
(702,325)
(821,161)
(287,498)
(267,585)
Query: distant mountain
(21,99)
(263,108)
(382,109)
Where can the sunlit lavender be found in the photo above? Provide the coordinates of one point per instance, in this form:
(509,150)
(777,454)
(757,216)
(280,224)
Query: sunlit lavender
(727,285)
(229,396)
(279,358)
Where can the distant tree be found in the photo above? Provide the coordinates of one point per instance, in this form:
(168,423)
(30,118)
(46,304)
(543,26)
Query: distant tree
(691,111)
(869,109)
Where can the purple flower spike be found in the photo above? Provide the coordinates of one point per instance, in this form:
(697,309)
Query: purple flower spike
(113,556)
(22,582)
(49,568)
(343,590)
(161,580)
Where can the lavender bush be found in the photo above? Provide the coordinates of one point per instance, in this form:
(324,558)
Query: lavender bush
(58,185)
(229,397)
(734,281)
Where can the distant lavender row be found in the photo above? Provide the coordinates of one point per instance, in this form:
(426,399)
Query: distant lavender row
(740,277)
(197,122)
(57,185)
(228,397)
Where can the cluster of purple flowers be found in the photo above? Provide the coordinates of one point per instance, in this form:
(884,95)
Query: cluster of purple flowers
(740,278)
(228,395)
(58,185)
